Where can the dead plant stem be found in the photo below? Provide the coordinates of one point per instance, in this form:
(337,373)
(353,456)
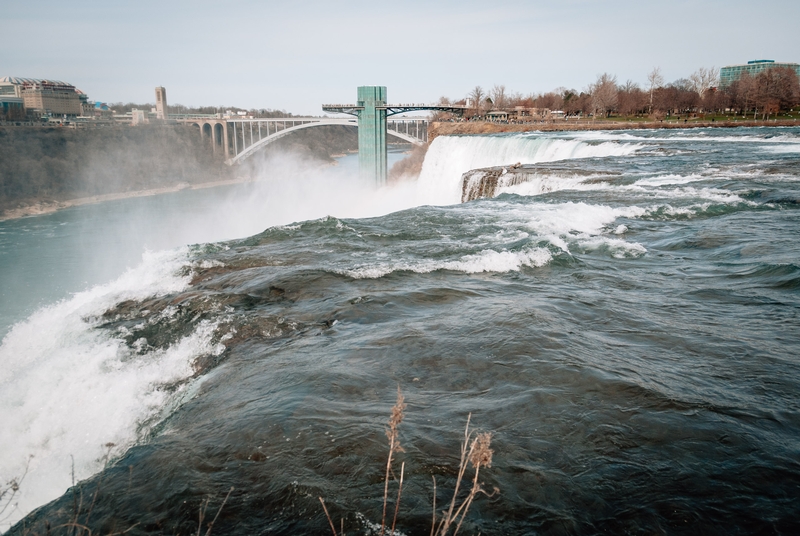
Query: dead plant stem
(329,517)
(399,491)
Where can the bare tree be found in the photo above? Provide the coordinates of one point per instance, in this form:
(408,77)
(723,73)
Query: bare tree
(604,93)
(498,96)
(551,100)
(441,116)
(703,79)
(477,97)
(744,93)
(655,80)
(776,89)
(631,100)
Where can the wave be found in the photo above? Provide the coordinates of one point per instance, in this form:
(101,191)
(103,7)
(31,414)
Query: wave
(681,135)
(670,179)
(519,236)
(784,149)
(484,261)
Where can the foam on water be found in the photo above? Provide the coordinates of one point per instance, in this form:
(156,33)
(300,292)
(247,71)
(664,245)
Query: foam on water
(784,149)
(562,227)
(68,390)
(665,180)
(451,156)
(484,261)
(540,184)
(679,135)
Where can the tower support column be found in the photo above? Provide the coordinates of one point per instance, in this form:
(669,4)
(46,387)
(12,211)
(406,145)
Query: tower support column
(372,133)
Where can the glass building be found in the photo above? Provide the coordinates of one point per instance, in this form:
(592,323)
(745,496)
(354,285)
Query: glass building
(731,73)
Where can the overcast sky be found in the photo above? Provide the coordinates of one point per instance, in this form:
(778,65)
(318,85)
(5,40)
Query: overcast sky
(296,55)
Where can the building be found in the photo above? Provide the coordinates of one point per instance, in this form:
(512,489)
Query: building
(161,103)
(52,97)
(139,117)
(731,73)
(8,88)
(11,108)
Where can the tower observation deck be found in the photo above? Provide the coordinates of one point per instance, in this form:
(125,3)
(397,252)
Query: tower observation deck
(372,110)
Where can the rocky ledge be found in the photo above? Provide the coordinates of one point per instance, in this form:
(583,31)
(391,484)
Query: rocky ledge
(543,178)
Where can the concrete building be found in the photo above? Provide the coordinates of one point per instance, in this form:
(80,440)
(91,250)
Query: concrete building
(161,103)
(45,96)
(139,117)
(731,73)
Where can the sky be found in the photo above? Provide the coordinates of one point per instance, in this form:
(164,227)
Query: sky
(297,55)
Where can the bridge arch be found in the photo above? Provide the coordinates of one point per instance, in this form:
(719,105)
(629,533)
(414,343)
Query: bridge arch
(404,137)
(219,135)
(252,149)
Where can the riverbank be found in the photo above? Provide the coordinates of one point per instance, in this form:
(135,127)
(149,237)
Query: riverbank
(48,207)
(46,170)
(483,127)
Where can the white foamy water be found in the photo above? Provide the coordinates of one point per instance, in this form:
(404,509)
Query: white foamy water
(784,149)
(68,390)
(484,261)
(665,180)
(449,157)
(564,226)
(538,184)
(678,136)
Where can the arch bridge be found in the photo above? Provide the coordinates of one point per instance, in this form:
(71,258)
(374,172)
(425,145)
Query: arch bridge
(240,138)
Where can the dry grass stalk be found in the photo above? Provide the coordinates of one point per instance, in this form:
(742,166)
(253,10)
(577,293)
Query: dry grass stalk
(88,531)
(394,446)
(107,456)
(11,488)
(433,525)
(399,492)
(202,514)
(477,452)
(329,518)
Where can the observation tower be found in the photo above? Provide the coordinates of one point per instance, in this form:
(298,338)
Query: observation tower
(372,110)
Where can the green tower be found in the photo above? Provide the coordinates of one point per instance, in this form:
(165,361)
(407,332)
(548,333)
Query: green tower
(372,111)
(372,133)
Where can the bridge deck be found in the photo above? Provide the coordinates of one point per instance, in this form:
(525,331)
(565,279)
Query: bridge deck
(392,109)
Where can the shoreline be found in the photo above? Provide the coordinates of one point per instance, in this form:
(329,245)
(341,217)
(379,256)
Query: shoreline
(441,128)
(42,208)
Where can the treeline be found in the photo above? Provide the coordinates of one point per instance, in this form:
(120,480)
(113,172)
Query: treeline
(772,91)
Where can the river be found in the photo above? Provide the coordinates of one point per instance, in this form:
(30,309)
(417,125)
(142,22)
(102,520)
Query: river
(625,324)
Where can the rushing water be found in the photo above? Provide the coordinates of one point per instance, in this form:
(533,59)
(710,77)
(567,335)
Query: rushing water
(626,324)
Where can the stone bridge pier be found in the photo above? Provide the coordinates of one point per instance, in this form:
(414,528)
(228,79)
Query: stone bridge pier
(217,131)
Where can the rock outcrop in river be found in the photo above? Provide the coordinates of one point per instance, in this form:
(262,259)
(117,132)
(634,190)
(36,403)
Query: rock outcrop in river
(541,178)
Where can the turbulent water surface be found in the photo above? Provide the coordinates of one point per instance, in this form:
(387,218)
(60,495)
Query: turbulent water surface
(626,325)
